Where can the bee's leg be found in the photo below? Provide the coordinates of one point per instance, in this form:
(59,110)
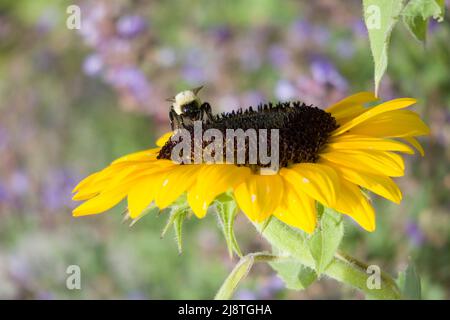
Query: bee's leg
(176,121)
(206,108)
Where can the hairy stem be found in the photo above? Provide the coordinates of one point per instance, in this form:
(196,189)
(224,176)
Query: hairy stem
(343,268)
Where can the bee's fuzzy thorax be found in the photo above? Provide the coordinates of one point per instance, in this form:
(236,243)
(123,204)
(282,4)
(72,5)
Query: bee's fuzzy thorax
(303,129)
(183,98)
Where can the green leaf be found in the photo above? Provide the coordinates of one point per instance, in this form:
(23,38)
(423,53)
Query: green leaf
(380,17)
(409,282)
(295,275)
(227,210)
(325,241)
(417,14)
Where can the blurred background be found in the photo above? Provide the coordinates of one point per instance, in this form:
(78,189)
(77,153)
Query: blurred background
(71,101)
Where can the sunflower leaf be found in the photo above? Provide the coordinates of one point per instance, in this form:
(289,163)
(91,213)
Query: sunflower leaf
(380,17)
(417,14)
(295,275)
(227,210)
(325,241)
(409,282)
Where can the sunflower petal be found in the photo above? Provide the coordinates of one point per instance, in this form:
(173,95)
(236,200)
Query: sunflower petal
(357,142)
(416,144)
(143,193)
(372,112)
(164,138)
(351,106)
(149,154)
(176,182)
(354,204)
(374,162)
(297,209)
(318,181)
(381,185)
(213,180)
(259,195)
(102,202)
(400,123)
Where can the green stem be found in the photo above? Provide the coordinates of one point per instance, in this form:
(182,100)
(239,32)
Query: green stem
(342,268)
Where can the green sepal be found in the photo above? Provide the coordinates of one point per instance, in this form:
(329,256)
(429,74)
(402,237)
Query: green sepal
(227,210)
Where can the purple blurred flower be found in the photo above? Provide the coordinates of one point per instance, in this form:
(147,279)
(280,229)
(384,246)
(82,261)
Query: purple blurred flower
(250,57)
(165,57)
(302,29)
(92,64)
(433,25)
(131,26)
(131,80)
(90,30)
(19,183)
(245,294)
(285,90)
(271,287)
(221,33)
(193,75)
(252,98)
(359,29)
(345,49)
(57,190)
(414,233)
(324,72)
(4,195)
(321,35)
(278,56)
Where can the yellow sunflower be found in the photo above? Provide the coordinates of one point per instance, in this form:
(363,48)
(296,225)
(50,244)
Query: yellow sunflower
(326,156)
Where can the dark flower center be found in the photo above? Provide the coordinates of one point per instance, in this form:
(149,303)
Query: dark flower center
(303,131)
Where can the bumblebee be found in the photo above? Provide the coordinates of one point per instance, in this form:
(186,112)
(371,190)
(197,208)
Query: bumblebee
(187,108)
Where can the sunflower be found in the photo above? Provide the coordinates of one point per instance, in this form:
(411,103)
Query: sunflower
(326,156)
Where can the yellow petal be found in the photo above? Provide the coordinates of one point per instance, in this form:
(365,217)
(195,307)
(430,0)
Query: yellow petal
(381,185)
(355,142)
(297,209)
(400,123)
(351,106)
(375,162)
(102,202)
(415,144)
(163,139)
(149,154)
(372,112)
(117,174)
(213,180)
(318,181)
(259,195)
(176,182)
(354,204)
(143,193)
